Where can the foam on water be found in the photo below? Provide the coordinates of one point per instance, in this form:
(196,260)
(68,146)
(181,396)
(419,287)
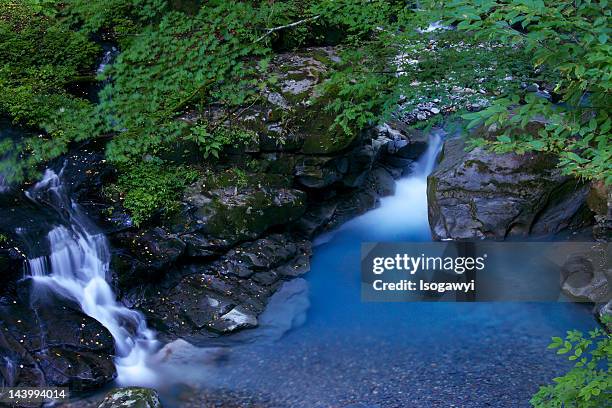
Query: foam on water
(77,268)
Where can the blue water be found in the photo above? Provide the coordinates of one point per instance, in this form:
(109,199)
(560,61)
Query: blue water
(319,345)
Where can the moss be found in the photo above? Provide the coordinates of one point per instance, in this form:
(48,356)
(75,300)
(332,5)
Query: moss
(322,56)
(236,177)
(149,188)
(321,137)
(482,167)
(253,214)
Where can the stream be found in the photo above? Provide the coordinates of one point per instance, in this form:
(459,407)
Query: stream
(319,345)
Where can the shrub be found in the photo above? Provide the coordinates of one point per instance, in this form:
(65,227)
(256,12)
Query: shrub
(150,188)
(589,383)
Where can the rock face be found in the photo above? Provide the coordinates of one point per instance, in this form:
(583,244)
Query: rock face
(478,194)
(588,279)
(131,397)
(228,294)
(600,202)
(53,344)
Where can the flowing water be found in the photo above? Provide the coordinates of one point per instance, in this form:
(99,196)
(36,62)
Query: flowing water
(78,268)
(319,345)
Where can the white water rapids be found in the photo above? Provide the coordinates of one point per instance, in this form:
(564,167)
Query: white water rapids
(78,268)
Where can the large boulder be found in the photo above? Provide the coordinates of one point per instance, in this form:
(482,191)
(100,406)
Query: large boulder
(231,214)
(144,255)
(11,268)
(587,278)
(479,194)
(291,114)
(600,202)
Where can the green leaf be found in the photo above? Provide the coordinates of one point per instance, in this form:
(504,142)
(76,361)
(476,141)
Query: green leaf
(603,38)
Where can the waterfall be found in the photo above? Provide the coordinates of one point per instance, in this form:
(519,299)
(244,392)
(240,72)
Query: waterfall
(427,162)
(405,212)
(78,268)
(109,55)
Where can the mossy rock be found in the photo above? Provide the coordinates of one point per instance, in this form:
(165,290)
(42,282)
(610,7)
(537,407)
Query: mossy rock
(131,397)
(235,177)
(292,116)
(248,213)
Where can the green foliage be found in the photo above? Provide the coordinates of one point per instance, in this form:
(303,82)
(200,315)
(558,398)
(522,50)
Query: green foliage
(184,62)
(181,56)
(359,18)
(568,42)
(393,63)
(589,383)
(171,61)
(3,239)
(149,188)
(212,141)
(39,58)
(495,47)
(359,97)
(120,19)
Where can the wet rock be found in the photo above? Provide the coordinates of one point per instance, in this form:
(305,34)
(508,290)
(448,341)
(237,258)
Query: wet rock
(383,182)
(358,166)
(599,201)
(237,318)
(87,172)
(180,353)
(351,205)
(131,397)
(237,213)
(318,172)
(53,344)
(198,306)
(11,268)
(316,218)
(404,144)
(25,224)
(144,256)
(200,245)
(265,254)
(226,295)
(584,278)
(602,311)
(479,194)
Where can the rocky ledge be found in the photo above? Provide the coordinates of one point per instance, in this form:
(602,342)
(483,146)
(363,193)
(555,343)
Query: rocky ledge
(48,342)
(244,227)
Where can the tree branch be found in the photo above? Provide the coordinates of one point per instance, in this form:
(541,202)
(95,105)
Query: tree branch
(297,23)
